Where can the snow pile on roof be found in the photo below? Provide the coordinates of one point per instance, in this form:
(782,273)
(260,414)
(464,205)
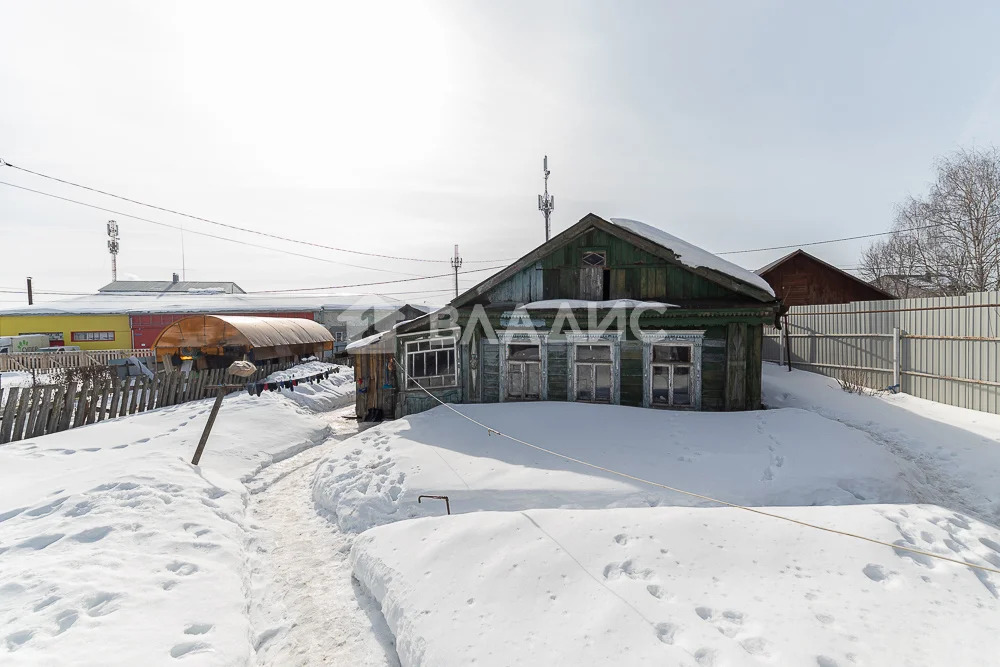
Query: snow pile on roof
(365,342)
(777,457)
(555,304)
(683,586)
(692,255)
(115,550)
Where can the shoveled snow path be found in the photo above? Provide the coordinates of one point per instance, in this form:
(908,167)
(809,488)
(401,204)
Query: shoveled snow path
(307,609)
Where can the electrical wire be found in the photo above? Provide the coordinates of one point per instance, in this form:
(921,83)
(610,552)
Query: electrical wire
(237,227)
(490,430)
(211,236)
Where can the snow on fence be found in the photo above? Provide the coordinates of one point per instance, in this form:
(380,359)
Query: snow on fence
(944,349)
(29,412)
(31,361)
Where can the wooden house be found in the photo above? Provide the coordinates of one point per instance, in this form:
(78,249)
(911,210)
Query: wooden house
(801,279)
(609,311)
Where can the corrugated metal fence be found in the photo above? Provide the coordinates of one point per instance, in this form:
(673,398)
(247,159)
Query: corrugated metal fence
(943,349)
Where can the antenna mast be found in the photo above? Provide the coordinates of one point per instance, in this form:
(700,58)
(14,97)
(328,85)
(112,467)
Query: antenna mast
(113,248)
(456,263)
(546,202)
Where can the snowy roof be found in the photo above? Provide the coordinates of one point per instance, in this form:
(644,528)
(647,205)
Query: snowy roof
(111,303)
(691,255)
(365,342)
(225,287)
(555,304)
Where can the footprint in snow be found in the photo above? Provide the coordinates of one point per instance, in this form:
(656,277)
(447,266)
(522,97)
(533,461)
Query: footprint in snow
(182,569)
(187,648)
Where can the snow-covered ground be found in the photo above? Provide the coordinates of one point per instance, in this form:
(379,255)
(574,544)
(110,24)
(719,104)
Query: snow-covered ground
(956,452)
(292,544)
(776,457)
(614,571)
(115,550)
(683,586)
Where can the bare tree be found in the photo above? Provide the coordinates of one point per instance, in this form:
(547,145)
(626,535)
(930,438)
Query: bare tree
(949,241)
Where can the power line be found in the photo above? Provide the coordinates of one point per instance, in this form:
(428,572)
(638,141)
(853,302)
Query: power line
(236,227)
(211,236)
(490,430)
(384,282)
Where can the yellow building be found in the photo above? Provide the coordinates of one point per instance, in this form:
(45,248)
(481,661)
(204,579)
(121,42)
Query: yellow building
(89,332)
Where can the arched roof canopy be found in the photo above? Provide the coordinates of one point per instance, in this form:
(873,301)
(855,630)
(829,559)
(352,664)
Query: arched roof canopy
(267,337)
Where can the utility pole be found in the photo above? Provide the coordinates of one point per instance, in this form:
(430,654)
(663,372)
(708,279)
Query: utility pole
(31,298)
(113,248)
(546,202)
(456,263)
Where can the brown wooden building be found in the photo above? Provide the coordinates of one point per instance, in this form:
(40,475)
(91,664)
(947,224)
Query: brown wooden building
(800,279)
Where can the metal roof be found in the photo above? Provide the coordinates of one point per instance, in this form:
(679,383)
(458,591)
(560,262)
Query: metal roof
(256,332)
(170,286)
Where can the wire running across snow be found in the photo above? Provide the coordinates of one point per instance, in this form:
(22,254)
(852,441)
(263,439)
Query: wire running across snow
(490,430)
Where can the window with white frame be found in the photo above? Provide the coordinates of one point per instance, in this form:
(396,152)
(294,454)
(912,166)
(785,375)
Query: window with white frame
(672,375)
(593,372)
(89,336)
(524,371)
(431,363)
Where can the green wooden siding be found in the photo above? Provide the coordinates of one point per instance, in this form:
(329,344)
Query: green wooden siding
(635,273)
(631,373)
(491,372)
(558,371)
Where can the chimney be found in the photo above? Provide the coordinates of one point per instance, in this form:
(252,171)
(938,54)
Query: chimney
(176,278)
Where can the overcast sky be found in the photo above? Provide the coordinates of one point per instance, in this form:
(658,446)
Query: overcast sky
(403,128)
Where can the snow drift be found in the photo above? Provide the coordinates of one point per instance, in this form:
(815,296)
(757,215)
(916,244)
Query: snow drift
(115,550)
(684,586)
(774,457)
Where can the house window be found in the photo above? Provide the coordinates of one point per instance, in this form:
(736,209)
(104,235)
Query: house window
(431,363)
(91,336)
(338,336)
(524,372)
(671,374)
(592,366)
(591,258)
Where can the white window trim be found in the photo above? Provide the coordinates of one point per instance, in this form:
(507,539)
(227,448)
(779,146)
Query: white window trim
(612,338)
(406,360)
(525,337)
(693,338)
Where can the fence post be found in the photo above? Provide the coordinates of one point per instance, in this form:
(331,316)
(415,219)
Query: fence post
(895,358)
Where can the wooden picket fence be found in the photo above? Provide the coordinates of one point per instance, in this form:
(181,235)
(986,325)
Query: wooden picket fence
(29,412)
(42,361)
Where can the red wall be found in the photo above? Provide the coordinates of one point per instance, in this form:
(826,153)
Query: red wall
(145,328)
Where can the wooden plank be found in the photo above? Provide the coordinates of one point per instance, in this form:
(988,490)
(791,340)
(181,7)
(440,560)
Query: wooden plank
(128,388)
(178,392)
(52,424)
(33,413)
(134,397)
(69,401)
(95,395)
(23,409)
(105,401)
(153,391)
(736,366)
(162,382)
(755,348)
(81,406)
(45,406)
(116,393)
(7,425)
(143,394)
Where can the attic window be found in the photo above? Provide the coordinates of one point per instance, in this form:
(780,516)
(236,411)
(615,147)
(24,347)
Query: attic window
(595,259)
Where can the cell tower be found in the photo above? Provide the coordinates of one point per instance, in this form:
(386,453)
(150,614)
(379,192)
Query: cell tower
(546,202)
(113,248)
(456,263)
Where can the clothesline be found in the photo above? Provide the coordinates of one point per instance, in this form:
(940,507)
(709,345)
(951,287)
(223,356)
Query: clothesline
(259,387)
